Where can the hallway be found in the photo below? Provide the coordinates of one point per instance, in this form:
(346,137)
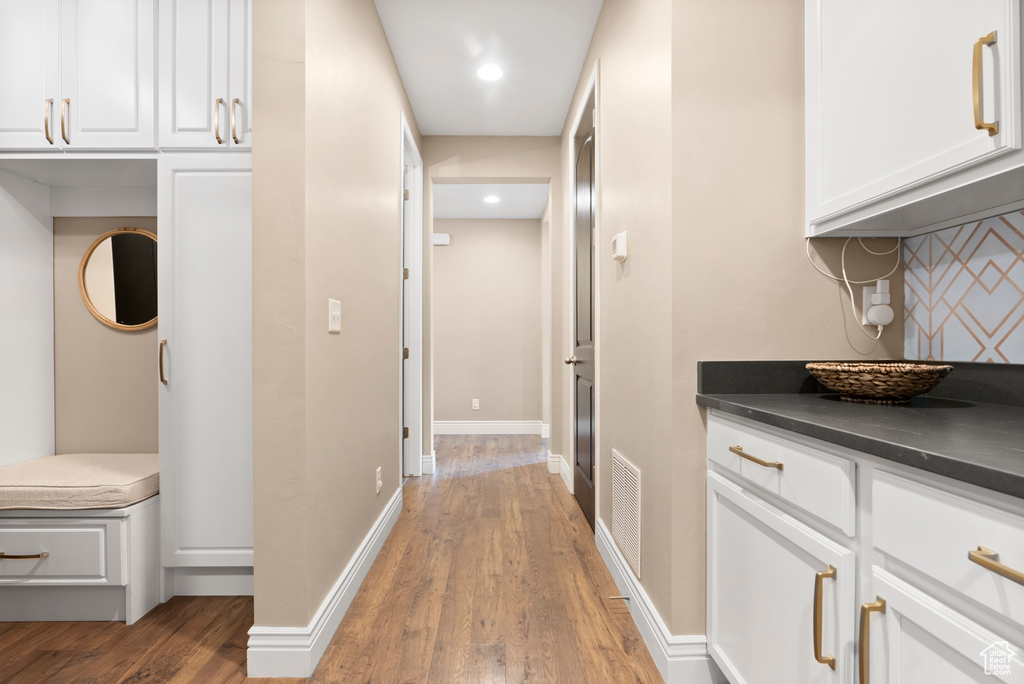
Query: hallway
(490,575)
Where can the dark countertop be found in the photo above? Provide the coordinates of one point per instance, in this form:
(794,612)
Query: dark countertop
(970,441)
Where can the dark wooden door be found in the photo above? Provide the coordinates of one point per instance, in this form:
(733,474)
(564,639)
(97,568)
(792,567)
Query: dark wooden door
(582,360)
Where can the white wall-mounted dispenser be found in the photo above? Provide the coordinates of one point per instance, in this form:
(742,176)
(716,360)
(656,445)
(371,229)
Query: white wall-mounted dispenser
(620,247)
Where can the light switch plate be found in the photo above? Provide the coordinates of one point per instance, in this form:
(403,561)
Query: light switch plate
(333,315)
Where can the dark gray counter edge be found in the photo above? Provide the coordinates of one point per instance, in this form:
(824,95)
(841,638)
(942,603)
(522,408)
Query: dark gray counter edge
(1007,483)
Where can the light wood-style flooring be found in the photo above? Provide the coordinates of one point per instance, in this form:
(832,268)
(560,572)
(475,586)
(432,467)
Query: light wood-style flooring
(490,575)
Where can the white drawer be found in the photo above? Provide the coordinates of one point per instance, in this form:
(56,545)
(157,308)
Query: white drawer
(820,483)
(80,551)
(933,532)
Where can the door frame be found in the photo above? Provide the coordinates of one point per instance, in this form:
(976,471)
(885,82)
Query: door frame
(410,251)
(570,289)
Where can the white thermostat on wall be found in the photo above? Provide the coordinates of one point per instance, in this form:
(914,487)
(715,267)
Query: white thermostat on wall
(619,247)
(441,239)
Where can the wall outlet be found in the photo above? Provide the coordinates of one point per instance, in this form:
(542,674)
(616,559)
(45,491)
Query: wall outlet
(476,404)
(380,483)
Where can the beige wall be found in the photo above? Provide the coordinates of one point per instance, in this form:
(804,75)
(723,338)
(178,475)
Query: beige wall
(487,320)
(326,221)
(105,382)
(510,159)
(701,161)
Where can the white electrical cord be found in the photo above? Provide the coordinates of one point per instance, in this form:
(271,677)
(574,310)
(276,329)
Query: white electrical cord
(849,283)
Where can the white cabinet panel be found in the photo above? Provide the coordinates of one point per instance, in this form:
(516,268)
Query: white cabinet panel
(762,570)
(108,73)
(890,107)
(29,74)
(918,640)
(205,294)
(205,74)
(240,78)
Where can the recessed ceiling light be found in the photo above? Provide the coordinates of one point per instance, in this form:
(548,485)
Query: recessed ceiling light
(492,199)
(490,72)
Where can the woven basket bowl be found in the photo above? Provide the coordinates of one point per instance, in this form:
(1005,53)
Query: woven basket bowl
(878,383)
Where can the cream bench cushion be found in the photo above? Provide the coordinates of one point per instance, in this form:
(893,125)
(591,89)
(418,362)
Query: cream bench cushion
(78,481)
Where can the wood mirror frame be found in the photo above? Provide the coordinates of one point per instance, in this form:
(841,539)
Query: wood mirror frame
(84,291)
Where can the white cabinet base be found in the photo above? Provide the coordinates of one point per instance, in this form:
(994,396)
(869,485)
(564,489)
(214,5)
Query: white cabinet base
(135,563)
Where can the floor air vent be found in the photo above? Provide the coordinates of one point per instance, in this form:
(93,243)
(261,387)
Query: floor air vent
(626,509)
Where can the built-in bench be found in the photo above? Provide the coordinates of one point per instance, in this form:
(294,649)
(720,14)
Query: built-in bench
(80,537)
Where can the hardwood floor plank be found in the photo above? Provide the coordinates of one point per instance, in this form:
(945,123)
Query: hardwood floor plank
(490,574)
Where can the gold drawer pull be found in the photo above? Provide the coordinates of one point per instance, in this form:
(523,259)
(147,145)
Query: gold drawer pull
(865,634)
(216,120)
(738,450)
(160,353)
(234,134)
(986,559)
(818,600)
(979,122)
(47,113)
(64,104)
(35,556)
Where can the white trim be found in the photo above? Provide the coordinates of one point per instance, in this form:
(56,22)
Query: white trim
(217,581)
(484,427)
(681,659)
(554,463)
(429,463)
(565,470)
(296,651)
(545,431)
(411,317)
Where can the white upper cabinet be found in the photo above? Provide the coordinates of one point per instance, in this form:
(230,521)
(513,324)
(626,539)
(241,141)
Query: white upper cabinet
(912,107)
(206,74)
(77,74)
(29,74)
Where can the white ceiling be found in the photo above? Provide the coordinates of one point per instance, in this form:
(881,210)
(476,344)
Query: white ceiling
(539,44)
(466,201)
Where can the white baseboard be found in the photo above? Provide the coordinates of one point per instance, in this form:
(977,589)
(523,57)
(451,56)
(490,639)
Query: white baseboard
(429,462)
(680,659)
(554,463)
(566,472)
(483,427)
(296,651)
(212,581)
(545,431)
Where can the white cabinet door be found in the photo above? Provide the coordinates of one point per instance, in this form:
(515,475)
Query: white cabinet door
(762,572)
(193,73)
(918,640)
(108,48)
(240,77)
(205,295)
(890,95)
(29,75)
(206,74)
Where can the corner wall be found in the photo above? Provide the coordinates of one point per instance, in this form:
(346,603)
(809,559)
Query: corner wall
(326,222)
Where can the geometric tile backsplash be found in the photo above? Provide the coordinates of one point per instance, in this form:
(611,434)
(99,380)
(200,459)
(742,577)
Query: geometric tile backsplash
(964,289)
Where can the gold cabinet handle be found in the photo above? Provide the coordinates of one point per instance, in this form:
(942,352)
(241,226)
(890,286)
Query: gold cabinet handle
(986,559)
(234,134)
(819,580)
(738,450)
(64,104)
(163,378)
(993,127)
(47,113)
(34,556)
(865,634)
(216,120)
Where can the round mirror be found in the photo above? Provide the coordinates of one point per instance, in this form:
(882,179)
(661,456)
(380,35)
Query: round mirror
(117,279)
